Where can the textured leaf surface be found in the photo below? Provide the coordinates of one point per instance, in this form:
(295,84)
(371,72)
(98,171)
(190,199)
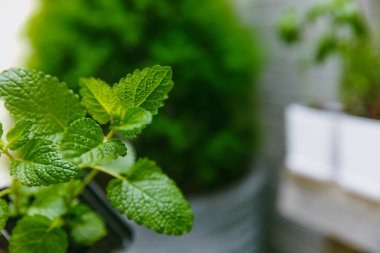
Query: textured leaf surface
(132,122)
(98,98)
(4,213)
(41,164)
(19,134)
(150,198)
(33,234)
(87,227)
(48,204)
(31,94)
(83,143)
(106,151)
(146,88)
(121,165)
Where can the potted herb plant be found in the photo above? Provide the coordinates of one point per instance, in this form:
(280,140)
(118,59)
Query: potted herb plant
(213,107)
(348,36)
(57,146)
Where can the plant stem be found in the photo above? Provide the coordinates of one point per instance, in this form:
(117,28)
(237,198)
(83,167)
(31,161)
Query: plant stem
(57,222)
(110,134)
(90,176)
(6,152)
(5,192)
(109,172)
(15,189)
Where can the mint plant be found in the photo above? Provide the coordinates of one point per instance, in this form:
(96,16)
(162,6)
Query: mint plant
(55,150)
(215,57)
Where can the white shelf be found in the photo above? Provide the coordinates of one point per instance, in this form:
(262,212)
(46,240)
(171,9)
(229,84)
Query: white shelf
(328,209)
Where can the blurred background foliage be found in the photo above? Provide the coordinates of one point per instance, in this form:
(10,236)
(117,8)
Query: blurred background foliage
(205,135)
(347,35)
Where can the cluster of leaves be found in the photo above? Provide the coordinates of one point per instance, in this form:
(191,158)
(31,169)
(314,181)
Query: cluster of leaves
(55,151)
(216,63)
(348,36)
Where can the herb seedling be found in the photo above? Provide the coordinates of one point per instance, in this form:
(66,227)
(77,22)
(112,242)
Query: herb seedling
(218,60)
(55,151)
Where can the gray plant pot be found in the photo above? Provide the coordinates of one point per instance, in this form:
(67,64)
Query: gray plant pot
(230,221)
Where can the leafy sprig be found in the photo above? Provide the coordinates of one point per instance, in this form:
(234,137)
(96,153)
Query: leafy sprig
(55,151)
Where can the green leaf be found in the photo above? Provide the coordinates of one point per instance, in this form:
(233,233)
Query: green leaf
(41,164)
(83,143)
(19,134)
(30,94)
(87,227)
(36,234)
(98,98)
(122,164)
(44,200)
(146,88)
(48,204)
(106,151)
(132,122)
(150,198)
(4,214)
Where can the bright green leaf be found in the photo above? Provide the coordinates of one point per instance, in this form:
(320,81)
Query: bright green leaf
(48,201)
(106,151)
(19,134)
(35,234)
(48,204)
(41,164)
(150,198)
(87,227)
(122,164)
(132,122)
(4,213)
(81,136)
(31,94)
(98,98)
(83,143)
(146,88)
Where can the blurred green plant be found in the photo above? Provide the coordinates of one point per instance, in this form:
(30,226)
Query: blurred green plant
(347,35)
(206,135)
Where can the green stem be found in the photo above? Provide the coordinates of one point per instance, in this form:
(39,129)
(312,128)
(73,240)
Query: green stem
(90,176)
(15,189)
(109,172)
(57,222)
(5,192)
(6,152)
(110,135)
